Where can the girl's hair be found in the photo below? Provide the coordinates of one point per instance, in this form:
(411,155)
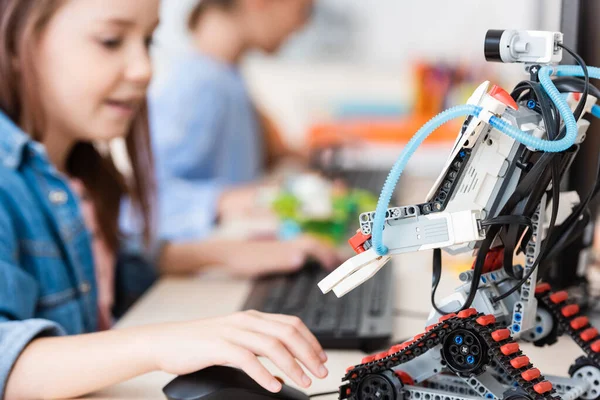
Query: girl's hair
(21,24)
(204,5)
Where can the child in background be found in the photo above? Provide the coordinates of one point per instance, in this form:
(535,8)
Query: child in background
(73,76)
(212,146)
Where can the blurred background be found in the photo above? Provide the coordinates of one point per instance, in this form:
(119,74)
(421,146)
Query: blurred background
(359,58)
(373,71)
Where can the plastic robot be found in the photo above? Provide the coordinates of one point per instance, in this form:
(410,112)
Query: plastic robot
(498,194)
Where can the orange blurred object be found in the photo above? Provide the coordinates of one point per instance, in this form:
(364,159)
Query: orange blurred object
(383,131)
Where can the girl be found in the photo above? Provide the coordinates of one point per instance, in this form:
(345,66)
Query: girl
(211,142)
(73,75)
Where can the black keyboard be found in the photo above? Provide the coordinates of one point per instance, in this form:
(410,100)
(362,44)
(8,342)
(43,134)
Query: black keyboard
(362,319)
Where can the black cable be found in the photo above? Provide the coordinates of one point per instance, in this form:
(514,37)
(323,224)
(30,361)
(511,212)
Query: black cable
(435,278)
(571,235)
(574,84)
(509,220)
(586,89)
(312,396)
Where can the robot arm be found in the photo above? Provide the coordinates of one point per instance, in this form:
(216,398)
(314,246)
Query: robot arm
(405,234)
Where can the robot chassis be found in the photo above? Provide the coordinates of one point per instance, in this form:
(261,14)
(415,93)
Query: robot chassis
(473,353)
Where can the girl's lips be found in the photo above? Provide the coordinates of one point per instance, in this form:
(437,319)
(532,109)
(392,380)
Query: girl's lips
(124,108)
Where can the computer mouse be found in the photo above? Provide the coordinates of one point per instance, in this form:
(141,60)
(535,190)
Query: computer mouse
(224,383)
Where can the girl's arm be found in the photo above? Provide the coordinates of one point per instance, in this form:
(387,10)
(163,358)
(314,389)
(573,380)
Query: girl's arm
(72,366)
(245,258)
(69,366)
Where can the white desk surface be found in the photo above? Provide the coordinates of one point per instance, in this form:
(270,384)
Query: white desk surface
(176,299)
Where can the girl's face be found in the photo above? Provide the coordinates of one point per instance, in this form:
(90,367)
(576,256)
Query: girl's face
(93,67)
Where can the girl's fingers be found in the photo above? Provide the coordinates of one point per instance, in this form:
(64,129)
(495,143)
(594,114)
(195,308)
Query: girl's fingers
(291,337)
(300,326)
(274,350)
(245,360)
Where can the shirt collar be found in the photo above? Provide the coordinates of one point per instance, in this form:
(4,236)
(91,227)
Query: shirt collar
(12,143)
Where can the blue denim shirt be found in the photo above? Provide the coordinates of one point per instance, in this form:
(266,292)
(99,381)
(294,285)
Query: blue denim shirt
(47,278)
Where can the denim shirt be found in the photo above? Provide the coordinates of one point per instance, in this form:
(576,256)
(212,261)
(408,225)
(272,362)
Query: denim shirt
(47,278)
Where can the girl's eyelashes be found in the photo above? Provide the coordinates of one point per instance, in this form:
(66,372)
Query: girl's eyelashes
(115,43)
(111,43)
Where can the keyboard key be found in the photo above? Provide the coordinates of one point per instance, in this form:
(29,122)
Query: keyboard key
(378,298)
(295,298)
(327,319)
(278,289)
(351,312)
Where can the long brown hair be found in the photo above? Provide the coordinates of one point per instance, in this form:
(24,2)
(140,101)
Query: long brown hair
(21,24)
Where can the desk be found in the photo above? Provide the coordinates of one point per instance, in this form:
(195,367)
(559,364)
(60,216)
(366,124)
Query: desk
(177,299)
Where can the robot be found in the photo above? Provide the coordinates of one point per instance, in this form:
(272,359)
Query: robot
(498,194)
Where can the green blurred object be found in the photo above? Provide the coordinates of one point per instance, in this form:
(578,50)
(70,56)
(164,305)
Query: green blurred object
(346,207)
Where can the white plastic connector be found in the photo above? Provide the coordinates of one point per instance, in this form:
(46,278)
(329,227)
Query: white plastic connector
(353,272)
(360,276)
(460,227)
(466,226)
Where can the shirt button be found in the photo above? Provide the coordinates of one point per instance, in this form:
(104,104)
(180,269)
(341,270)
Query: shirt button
(85,287)
(58,197)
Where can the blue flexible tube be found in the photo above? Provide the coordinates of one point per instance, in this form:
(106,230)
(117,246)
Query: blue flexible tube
(575,70)
(392,180)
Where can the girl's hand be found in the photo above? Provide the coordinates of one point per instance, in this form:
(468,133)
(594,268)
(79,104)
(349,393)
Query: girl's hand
(237,340)
(239,202)
(255,258)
